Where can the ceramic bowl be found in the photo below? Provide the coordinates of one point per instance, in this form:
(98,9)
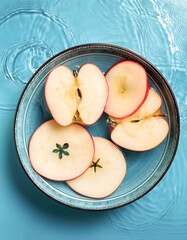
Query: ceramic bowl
(144,169)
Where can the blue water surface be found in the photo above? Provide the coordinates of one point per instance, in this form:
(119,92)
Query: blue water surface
(33,31)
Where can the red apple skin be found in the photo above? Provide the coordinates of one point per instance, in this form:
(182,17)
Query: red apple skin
(63,179)
(159,109)
(111,192)
(147,89)
(45,94)
(83,124)
(96,197)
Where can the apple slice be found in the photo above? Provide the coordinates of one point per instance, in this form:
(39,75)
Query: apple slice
(128,88)
(61,153)
(73,98)
(145,129)
(105,174)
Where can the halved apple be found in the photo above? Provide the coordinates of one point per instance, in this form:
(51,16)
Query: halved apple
(145,129)
(128,88)
(73,98)
(61,153)
(105,174)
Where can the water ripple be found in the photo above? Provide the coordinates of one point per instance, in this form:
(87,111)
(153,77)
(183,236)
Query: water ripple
(28,39)
(157,206)
(145,212)
(166,23)
(136,26)
(31,35)
(149,30)
(22,56)
(8,107)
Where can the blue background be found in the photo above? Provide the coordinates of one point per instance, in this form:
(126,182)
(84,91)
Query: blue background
(33,31)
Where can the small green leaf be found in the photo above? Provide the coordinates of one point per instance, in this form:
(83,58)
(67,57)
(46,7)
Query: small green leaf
(95,165)
(60,155)
(60,150)
(97,160)
(99,166)
(58,145)
(65,146)
(55,150)
(65,153)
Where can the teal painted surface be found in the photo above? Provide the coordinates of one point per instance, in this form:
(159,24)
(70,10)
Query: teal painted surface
(32,32)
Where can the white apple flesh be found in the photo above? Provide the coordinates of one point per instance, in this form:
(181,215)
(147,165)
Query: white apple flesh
(76,98)
(128,88)
(51,160)
(105,174)
(143,130)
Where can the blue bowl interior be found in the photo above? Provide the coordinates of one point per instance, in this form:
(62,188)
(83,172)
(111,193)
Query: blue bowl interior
(144,169)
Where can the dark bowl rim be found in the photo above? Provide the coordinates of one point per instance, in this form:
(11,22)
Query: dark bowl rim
(100,45)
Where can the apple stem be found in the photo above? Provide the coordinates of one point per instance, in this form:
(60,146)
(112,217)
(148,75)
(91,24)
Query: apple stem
(156,115)
(74,73)
(77,117)
(111,122)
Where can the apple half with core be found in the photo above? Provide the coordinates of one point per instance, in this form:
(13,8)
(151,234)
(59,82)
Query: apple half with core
(105,174)
(128,88)
(61,153)
(145,129)
(76,98)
